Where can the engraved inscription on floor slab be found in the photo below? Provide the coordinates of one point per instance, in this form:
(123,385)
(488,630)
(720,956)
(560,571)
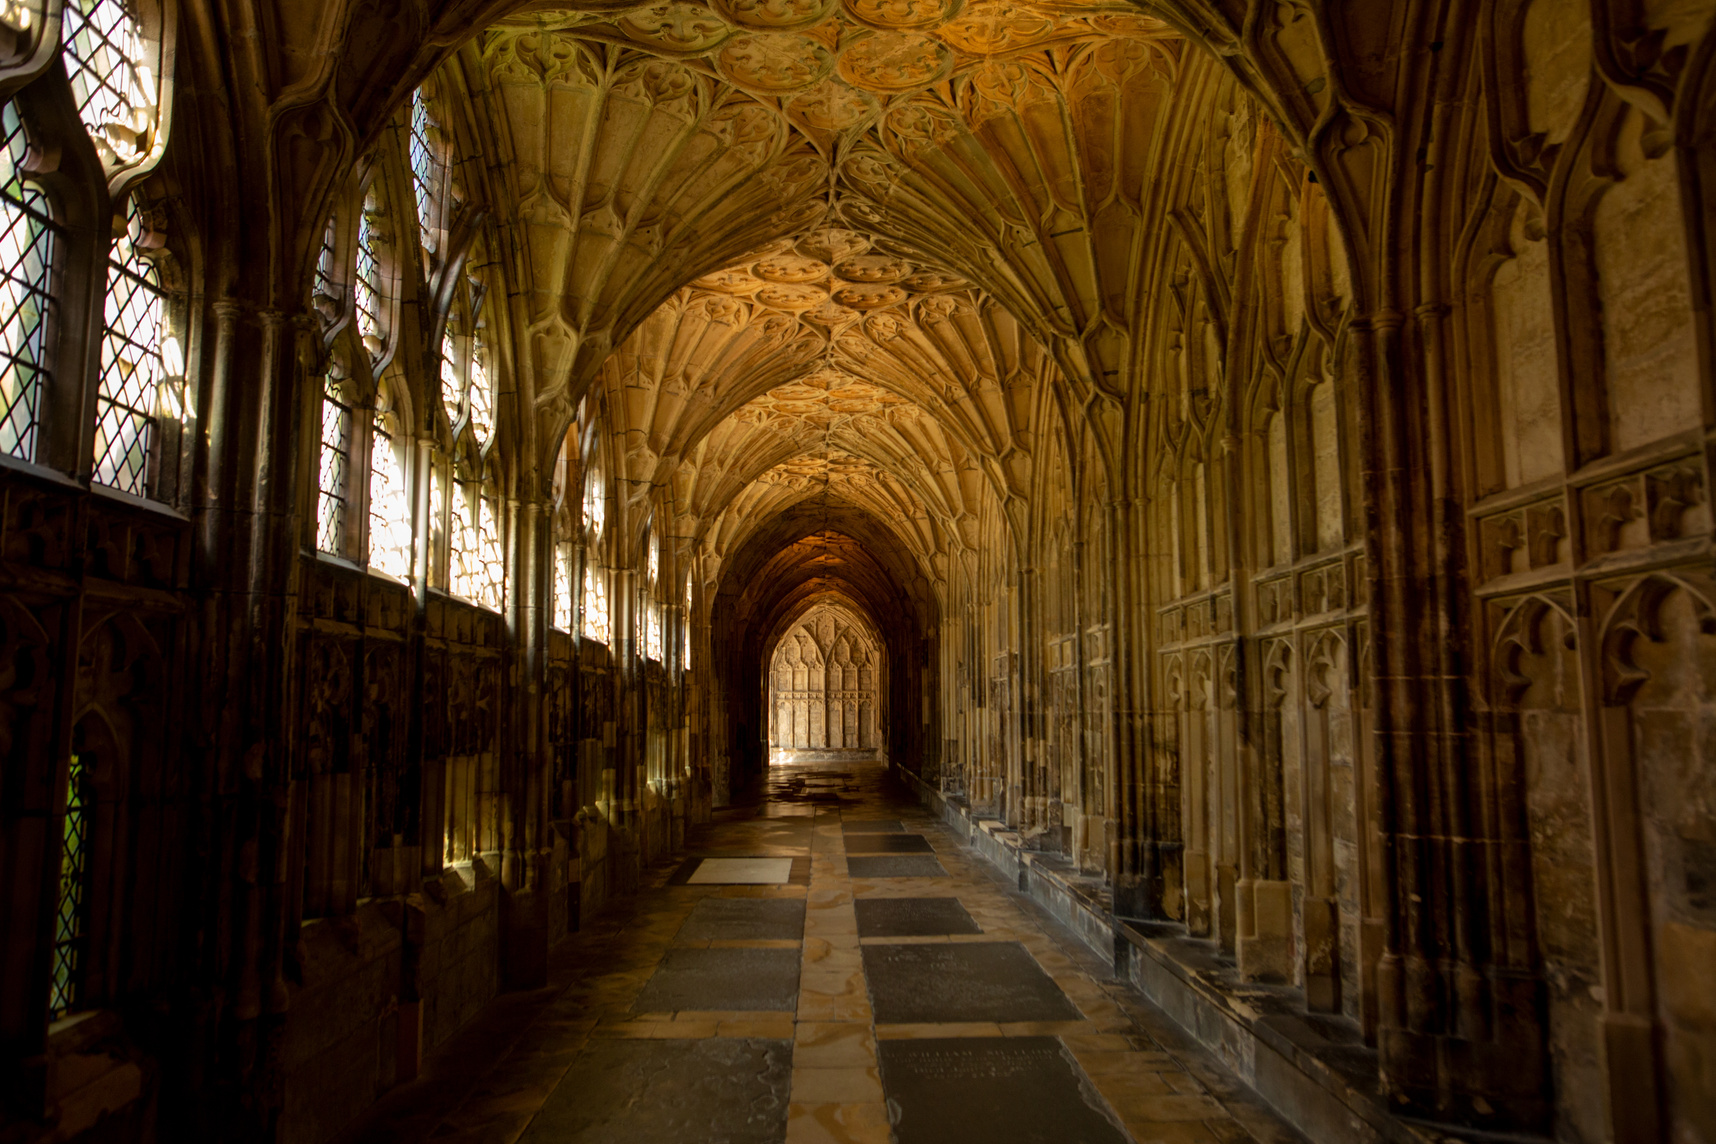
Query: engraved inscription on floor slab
(912,917)
(976,981)
(888,844)
(741,872)
(744,919)
(876,826)
(1023,1090)
(722,979)
(894,866)
(627,1091)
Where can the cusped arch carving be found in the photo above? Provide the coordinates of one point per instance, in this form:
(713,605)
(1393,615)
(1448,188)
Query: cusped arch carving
(1636,616)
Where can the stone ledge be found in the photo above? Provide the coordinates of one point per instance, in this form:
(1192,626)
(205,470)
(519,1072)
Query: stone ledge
(1316,1073)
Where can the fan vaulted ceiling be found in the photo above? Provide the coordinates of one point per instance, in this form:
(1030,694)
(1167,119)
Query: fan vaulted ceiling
(814,248)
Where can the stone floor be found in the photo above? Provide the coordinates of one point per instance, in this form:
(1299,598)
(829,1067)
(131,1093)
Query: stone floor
(907,993)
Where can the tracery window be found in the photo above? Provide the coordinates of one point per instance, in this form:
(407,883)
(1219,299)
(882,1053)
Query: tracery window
(478,571)
(335,469)
(70,915)
(345,419)
(111,68)
(438,530)
(134,373)
(482,397)
(563,535)
(563,559)
(366,282)
(427,168)
(596,623)
(452,376)
(652,630)
(324,295)
(652,605)
(27,239)
(685,628)
(389,500)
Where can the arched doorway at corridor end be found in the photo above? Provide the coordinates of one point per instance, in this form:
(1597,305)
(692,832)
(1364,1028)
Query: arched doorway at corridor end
(825,688)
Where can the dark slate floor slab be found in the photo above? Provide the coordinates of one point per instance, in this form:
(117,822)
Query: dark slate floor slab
(722,1090)
(991,1090)
(895,866)
(912,917)
(888,844)
(722,979)
(976,981)
(879,826)
(745,919)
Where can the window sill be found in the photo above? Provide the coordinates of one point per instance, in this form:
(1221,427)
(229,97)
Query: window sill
(130,500)
(446,595)
(54,477)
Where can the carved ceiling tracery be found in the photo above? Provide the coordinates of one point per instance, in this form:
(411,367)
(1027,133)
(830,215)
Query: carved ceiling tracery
(897,231)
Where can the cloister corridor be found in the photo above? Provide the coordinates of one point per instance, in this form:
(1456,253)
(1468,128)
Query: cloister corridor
(815,571)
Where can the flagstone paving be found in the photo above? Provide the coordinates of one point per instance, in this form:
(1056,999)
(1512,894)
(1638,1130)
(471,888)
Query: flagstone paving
(908,993)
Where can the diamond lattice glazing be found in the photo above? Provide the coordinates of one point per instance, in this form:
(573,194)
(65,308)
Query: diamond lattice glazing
(27,236)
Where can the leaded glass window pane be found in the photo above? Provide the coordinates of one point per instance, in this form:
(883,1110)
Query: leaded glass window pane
(27,237)
(482,396)
(652,631)
(452,376)
(389,506)
(326,291)
(425,168)
(111,75)
(479,574)
(491,588)
(595,507)
(367,284)
(595,605)
(132,367)
(69,916)
(332,483)
(462,540)
(437,514)
(563,557)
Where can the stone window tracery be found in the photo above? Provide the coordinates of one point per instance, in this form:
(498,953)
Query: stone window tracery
(134,369)
(69,915)
(335,469)
(563,534)
(367,291)
(111,64)
(438,522)
(562,614)
(452,377)
(27,240)
(361,488)
(652,630)
(324,294)
(478,571)
(482,398)
(389,501)
(597,625)
(652,602)
(427,167)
